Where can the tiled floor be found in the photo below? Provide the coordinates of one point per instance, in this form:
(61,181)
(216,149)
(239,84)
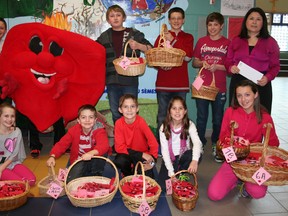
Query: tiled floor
(274,204)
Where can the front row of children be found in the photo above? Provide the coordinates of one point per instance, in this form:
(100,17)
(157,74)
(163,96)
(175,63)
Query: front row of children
(135,142)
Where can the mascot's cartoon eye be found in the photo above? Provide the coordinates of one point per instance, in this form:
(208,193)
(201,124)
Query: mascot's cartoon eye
(55,49)
(36,45)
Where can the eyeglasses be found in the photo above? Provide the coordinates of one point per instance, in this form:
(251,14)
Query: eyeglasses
(176,18)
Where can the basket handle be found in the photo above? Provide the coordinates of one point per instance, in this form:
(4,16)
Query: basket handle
(213,76)
(213,80)
(51,172)
(100,157)
(27,186)
(194,175)
(233,125)
(125,48)
(162,40)
(134,55)
(266,141)
(139,163)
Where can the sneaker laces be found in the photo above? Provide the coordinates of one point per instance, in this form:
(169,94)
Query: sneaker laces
(214,150)
(242,191)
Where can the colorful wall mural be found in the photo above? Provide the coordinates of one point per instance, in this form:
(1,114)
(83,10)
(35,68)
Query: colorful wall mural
(87,17)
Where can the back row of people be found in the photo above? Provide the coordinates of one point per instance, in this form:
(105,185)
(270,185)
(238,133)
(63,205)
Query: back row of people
(254,46)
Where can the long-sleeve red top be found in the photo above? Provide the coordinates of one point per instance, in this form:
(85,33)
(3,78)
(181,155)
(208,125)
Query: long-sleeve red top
(72,137)
(176,79)
(136,136)
(248,126)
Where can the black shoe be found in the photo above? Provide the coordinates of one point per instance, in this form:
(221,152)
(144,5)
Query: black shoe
(218,159)
(114,153)
(68,151)
(35,153)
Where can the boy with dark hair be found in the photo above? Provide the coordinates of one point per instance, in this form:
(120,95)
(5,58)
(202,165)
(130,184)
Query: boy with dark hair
(173,81)
(134,141)
(210,52)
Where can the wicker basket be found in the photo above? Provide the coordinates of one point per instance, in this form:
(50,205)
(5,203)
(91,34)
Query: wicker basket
(279,175)
(184,203)
(241,153)
(95,201)
(13,202)
(44,184)
(163,56)
(133,203)
(132,70)
(205,92)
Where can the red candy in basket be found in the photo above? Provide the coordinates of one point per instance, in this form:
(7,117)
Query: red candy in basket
(183,188)
(135,188)
(238,142)
(13,189)
(90,189)
(136,61)
(276,161)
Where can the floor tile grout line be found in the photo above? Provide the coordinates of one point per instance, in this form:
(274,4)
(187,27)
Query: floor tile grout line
(279,201)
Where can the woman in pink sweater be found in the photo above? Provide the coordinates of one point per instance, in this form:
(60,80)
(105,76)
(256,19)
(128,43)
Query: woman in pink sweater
(256,48)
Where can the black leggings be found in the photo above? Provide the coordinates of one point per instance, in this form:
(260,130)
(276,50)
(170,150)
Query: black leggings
(179,164)
(126,163)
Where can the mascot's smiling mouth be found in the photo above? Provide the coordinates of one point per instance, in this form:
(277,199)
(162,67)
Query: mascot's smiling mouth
(41,77)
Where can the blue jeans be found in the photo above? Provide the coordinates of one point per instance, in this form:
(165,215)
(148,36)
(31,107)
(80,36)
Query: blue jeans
(202,106)
(114,94)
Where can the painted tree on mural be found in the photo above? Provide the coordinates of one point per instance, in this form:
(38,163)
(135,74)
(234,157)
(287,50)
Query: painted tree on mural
(16,8)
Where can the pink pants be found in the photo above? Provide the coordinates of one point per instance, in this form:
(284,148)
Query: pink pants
(20,173)
(225,180)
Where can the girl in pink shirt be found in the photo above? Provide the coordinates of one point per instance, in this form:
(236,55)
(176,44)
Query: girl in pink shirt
(12,152)
(250,117)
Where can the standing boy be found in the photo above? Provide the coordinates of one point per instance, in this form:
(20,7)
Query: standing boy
(210,52)
(114,40)
(173,81)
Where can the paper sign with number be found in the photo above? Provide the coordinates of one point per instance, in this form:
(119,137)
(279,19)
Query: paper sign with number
(198,82)
(62,174)
(229,154)
(144,209)
(168,187)
(168,45)
(261,176)
(54,190)
(124,63)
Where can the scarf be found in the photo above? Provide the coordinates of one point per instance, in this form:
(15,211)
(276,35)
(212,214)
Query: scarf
(183,146)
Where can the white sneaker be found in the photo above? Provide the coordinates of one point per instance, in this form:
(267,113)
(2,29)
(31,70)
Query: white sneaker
(213,150)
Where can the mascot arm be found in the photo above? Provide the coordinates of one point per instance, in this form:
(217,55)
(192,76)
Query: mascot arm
(9,85)
(62,86)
